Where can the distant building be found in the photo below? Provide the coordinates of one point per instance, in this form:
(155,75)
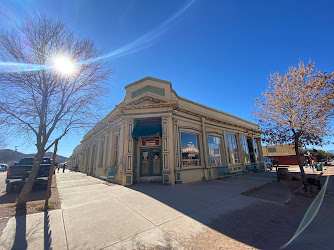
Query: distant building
(156,135)
(284,154)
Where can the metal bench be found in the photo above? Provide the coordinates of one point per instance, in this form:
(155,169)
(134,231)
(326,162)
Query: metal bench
(251,168)
(224,170)
(110,174)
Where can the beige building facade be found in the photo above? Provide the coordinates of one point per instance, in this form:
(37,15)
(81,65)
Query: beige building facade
(156,135)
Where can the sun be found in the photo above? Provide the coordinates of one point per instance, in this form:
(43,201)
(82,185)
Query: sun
(64,65)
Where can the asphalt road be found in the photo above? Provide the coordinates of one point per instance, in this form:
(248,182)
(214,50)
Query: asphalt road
(38,193)
(2,183)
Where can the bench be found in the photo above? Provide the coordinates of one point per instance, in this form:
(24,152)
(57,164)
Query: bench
(110,174)
(262,165)
(224,170)
(251,168)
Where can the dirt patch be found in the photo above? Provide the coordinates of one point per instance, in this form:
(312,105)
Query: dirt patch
(282,191)
(269,225)
(34,205)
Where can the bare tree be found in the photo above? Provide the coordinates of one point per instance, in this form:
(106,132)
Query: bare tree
(296,108)
(40,102)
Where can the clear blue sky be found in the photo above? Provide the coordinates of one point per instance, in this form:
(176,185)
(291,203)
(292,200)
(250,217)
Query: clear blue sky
(218,53)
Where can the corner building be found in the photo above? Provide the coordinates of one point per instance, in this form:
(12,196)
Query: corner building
(156,135)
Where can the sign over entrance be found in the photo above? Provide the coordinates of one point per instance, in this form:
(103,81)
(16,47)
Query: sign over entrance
(150,141)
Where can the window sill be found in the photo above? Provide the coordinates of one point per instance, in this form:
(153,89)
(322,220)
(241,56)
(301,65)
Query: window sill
(192,168)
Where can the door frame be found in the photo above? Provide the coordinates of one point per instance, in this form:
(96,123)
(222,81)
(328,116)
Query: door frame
(150,161)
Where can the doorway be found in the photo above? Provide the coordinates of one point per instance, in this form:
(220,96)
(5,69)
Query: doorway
(251,150)
(150,164)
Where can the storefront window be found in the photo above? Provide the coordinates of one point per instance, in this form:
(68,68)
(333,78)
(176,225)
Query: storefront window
(107,151)
(116,149)
(214,151)
(190,149)
(232,146)
(256,149)
(245,151)
(101,152)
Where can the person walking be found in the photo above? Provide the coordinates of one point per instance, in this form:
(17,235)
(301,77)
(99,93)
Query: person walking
(64,166)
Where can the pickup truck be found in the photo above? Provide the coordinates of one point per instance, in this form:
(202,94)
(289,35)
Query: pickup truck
(19,172)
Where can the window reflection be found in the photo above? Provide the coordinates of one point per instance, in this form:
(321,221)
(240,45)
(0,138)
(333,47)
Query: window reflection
(232,148)
(190,149)
(214,151)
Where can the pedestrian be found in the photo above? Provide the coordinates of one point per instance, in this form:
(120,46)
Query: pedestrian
(312,163)
(64,166)
(58,167)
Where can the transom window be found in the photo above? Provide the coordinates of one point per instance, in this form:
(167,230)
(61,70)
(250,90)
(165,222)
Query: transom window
(232,148)
(214,144)
(190,150)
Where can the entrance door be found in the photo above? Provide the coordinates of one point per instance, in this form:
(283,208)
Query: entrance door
(150,162)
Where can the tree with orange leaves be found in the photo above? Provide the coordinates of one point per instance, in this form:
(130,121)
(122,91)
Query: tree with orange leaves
(296,108)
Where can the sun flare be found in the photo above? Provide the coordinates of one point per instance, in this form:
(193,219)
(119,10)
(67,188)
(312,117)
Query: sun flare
(64,65)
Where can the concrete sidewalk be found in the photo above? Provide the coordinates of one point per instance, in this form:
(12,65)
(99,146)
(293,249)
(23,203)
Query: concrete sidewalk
(94,215)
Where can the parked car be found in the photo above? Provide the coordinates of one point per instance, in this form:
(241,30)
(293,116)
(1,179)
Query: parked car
(3,167)
(19,172)
(268,163)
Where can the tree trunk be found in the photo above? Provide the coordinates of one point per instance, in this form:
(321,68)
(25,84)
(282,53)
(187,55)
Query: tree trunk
(301,167)
(25,193)
(48,190)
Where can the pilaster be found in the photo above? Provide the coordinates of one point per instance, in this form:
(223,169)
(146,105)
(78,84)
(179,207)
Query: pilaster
(207,166)
(167,150)
(177,150)
(128,152)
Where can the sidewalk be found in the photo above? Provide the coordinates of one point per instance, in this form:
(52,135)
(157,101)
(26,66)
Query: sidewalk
(94,215)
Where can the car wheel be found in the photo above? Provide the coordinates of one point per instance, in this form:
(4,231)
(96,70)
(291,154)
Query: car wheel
(9,188)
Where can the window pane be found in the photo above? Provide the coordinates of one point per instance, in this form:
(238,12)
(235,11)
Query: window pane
(214,151)
(233,150)
(246,158)
(116,149)
(156,162)
(190,149)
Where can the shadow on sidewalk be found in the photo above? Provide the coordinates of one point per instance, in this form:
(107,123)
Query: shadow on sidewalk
(259,224)
(47,231)
(20,241)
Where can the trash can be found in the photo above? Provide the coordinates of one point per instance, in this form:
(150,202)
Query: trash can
(319,167)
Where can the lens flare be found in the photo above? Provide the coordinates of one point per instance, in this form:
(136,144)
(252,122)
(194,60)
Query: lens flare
(64,65)
(138,44)
(310,213)
(11,67)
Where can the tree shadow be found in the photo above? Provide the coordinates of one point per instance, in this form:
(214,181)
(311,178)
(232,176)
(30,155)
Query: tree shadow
(20,241)
(47,231)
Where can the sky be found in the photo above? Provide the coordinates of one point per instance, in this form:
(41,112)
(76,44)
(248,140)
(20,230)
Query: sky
(218,53)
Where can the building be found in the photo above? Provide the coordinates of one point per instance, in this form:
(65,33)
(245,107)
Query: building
(156,135)
(283,154)
(286,155)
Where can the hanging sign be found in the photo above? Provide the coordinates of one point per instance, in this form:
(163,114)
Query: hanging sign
(150,141)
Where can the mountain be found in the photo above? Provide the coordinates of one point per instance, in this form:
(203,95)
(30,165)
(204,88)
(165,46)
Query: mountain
(9,156)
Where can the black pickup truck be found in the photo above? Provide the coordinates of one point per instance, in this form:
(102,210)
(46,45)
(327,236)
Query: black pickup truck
(19,172)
